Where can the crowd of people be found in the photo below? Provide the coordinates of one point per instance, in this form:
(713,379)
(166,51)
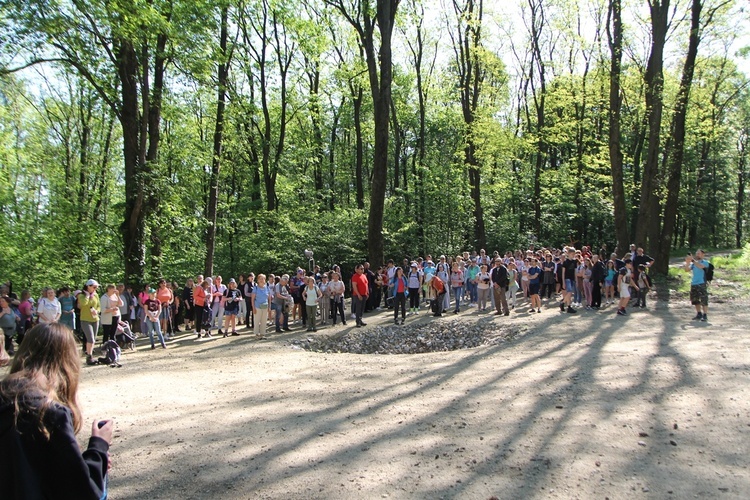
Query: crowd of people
(567,278)
(39,413)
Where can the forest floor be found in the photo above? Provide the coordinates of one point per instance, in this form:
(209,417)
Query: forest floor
(591,405)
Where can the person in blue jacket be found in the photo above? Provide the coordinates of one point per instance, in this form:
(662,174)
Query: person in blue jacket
(39,420)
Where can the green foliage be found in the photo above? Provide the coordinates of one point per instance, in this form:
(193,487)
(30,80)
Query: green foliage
(62,198)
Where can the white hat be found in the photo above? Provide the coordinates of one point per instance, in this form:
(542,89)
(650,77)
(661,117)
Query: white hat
(92,281)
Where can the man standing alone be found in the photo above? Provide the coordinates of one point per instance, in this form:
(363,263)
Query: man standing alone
(698,285)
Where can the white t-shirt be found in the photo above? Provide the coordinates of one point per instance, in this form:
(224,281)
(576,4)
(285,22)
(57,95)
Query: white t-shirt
(312,296)
(483,282)
(48,309)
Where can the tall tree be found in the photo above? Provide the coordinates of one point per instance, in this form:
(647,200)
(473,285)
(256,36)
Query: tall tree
(647,228)
(104,43)
(614,34)
(467,48)
(363,18)
(224,58)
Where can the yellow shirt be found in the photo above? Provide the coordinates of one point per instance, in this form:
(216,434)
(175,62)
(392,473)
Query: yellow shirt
(85,303)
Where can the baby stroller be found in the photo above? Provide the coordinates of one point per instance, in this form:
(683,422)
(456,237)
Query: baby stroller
(112,353)
(208,316)
(125,336)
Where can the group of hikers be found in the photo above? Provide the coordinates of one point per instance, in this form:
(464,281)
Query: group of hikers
(503,283)
(39,412)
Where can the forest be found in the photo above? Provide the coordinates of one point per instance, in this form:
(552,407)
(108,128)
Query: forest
(147,138)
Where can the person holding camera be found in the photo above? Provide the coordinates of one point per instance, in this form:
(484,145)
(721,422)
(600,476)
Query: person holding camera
(698,284)
(39,420)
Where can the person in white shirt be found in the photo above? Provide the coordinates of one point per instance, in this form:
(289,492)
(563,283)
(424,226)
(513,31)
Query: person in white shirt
(48,309)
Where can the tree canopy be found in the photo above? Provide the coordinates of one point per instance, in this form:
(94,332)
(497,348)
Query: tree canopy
(144,138)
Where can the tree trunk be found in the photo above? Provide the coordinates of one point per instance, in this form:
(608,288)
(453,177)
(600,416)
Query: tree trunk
(132,228)
(661,264)
(742,176)
(615,105)
(647,229)
(213,194)
(467,43)
(359,153)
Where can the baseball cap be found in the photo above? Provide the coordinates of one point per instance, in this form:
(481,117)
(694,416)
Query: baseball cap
(92,281)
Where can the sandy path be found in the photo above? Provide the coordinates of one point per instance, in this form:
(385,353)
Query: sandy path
(584,406)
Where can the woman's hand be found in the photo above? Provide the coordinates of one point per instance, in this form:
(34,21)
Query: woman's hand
(103,429)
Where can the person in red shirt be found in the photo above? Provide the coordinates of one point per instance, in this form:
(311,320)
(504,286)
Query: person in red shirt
(439,287)
(360,293)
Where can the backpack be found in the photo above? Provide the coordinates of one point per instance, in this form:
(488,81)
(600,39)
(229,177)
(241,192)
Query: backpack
(709,273)
(112,354)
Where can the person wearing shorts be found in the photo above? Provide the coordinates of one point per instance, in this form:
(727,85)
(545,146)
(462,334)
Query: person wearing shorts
(88,303)
(569,268)
(232,300)
(624,282)
(698,285)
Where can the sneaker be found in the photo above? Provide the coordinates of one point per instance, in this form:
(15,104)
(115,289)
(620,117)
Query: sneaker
(207,335)
(531,310)
(704,317)
(698,317)
(571,310)
(562,306)
(199,334)
(621,312)
(235,334)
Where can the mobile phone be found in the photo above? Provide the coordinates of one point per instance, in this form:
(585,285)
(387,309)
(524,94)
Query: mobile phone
(102,423)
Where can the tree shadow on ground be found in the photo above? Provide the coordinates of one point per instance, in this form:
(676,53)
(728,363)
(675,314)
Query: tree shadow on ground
(401,417)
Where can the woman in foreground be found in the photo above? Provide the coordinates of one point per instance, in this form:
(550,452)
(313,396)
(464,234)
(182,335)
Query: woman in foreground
(39,419)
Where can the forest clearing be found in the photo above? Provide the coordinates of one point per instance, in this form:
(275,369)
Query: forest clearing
(591,406)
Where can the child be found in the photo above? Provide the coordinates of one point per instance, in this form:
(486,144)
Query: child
(232,298)
(624,282)
(153,311)
(644,284)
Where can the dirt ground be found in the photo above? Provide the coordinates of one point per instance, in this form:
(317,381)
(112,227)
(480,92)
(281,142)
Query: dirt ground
(589,405)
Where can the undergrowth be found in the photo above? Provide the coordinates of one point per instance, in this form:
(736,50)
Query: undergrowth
(731,276)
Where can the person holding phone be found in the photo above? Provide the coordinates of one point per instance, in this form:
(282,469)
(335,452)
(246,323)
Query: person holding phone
(39,420)
(698,284)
